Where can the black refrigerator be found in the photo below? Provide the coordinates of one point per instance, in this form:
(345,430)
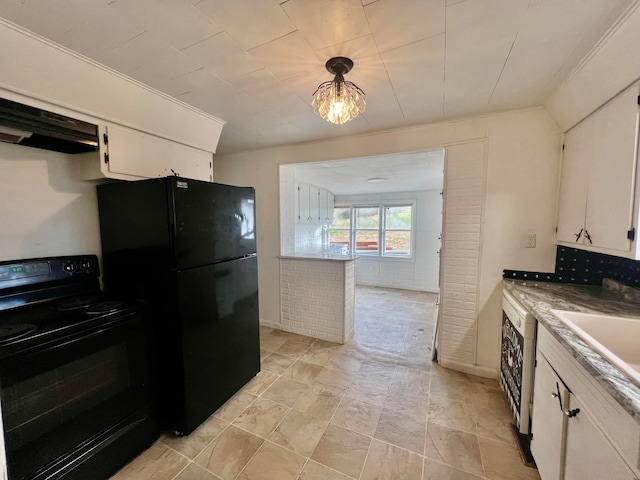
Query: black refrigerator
(189,248)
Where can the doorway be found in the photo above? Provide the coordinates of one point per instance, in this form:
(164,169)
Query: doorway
(383,183)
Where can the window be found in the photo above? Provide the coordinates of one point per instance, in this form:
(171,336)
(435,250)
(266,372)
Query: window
(340,231)
(376,230)
(397,232)
(367,230)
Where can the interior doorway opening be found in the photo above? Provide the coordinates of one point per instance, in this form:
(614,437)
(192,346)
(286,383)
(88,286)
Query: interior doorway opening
(394,208)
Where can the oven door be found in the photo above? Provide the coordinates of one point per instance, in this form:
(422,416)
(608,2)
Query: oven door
(57,398)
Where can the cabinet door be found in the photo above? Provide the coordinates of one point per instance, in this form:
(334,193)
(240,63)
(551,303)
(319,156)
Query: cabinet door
(303,203)
(598,177)
(548,421)
(326,207)
(572,202)
(588,453)
(314,204)
(324,213)
(137,154)
(612,172)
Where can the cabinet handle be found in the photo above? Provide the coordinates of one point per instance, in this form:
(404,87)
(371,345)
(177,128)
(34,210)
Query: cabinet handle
(587,236)
(578,235)
(572,413)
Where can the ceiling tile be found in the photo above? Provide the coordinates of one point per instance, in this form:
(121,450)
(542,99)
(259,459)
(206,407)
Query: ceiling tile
(417,74)
(179,24)
(224,56)
(202,80)
(474,21)
(248,22)
(261,84)
(393,21)
(472,73)
(327,22)
(172,64)
(381,118)
(134,53)
(288,57)
(48,18)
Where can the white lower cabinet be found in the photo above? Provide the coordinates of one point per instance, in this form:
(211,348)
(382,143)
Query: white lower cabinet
(588,453)
(578,430)
(549,421)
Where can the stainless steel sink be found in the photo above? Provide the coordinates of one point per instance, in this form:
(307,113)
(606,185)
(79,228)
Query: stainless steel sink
(615,338)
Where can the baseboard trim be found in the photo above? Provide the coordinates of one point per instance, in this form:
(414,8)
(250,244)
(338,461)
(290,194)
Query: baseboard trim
(276,326)
(471,369)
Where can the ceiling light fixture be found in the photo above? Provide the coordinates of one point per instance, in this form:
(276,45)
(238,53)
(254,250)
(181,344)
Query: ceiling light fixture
(376,179)
(338,101)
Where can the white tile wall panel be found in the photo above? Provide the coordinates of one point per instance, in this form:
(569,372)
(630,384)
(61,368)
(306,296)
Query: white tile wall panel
(287,210)
(464,199)
(317,298)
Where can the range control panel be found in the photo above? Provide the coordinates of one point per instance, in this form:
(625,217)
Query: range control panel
(43,270)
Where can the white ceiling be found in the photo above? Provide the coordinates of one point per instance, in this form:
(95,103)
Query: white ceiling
(256,63)
(406,172)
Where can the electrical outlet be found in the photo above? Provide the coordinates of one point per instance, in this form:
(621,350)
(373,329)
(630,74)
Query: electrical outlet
(530,240)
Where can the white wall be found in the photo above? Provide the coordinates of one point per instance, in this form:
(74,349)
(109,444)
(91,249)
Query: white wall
(44,209)
(523,153)
(420,272)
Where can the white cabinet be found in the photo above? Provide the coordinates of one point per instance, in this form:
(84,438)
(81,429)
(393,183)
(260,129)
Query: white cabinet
(326,207)
(578,430)
(128,154)
(304,213)
(588,454)
(597,184)
(314,205)
(548,422)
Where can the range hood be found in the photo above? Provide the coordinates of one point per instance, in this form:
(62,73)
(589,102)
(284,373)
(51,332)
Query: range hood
(34,127)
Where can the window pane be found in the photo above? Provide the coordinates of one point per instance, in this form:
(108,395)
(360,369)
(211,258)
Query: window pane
(397,243)
(339,237)
(367,241)
(367,217)
(342,217)
(399,217)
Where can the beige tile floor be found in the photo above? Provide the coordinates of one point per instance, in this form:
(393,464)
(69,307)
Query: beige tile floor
(375,408)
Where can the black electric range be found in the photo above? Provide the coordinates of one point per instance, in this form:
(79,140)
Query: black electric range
(75,371)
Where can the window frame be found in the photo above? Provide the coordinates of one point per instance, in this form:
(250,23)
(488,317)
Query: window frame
(381,253)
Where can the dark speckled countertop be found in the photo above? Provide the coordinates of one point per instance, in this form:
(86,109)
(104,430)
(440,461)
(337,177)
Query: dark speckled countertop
(613,299)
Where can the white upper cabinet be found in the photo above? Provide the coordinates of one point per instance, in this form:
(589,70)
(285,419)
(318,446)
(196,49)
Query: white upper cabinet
(598,181)
(326,207)
(130,153)
(314,205)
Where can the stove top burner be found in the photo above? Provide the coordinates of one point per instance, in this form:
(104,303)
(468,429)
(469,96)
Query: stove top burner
(76,303)
(15,330)
(104,307)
